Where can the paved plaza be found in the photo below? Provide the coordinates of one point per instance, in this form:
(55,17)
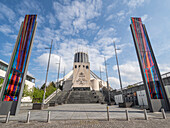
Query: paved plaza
(84,115)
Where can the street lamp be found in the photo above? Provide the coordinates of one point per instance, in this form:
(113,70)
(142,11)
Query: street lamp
(58,72)
(118,70)
(43,102)
(108,88)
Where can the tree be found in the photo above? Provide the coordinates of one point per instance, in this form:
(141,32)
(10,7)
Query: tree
(27,92)
(37,95)
(1,82)
(50,89)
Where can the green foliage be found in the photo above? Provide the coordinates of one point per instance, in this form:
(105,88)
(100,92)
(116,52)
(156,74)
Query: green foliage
(42,87)
(130,86)
(1,82)
(38,93)
(27,92)
(50,89)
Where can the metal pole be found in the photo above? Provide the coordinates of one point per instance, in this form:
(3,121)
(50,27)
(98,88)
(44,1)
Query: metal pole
(7,117)
(101,78)
(100,73)
(64,73)
(127,115)
(28,117)
(145,114)
(108,89)
(107,112)
(163,113)
(118,70)
(48,116)
(47,74)
(58,73)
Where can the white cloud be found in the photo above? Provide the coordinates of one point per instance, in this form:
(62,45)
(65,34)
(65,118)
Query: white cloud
(7,12)
(51,18)
(130,72)
(18,23)
(110,32)
(164,68)
(134,3)
(110,17)
(6,29)
(7,49)
(74,17)
(144,17)
(111,6)
(115,83)
(43,61)
(28,73)
(27,7)
(40,20)
(92,26)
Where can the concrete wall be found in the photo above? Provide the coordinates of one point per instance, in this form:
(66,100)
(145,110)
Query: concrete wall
(95,84)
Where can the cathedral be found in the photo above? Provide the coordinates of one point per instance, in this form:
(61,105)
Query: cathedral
(81,77)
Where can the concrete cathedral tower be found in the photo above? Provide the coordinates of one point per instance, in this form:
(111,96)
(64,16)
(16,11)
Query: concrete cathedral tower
(81,72)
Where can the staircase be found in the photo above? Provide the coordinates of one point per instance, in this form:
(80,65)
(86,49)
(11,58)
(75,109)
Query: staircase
(76,97)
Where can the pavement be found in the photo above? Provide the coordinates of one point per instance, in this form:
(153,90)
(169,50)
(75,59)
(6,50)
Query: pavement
(86,115)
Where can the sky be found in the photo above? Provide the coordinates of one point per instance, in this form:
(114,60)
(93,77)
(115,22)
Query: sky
(90,26)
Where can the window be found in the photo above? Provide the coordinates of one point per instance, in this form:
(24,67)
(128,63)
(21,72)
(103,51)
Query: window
(79,66)
(87,67)
(83,66)
(75,66)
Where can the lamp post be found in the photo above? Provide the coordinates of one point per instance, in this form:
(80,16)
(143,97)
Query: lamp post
(43,102)
(108,88)
(101,78)
(118,70)
(58,72)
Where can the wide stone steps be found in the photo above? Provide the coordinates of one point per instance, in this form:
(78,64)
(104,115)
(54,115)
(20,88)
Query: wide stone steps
(77,97)
(84,97)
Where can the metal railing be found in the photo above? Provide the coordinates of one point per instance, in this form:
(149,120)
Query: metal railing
(51,96)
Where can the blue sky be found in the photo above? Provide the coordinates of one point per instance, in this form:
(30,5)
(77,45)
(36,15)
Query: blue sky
(90,26)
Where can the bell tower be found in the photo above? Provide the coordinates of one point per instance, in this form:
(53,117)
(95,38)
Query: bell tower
(81,72)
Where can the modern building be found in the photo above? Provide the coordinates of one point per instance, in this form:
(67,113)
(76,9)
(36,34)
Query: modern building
(30,80)
(136,93)
(80,85)
(81,77)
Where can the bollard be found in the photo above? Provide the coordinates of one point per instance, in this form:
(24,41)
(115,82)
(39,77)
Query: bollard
(145,114)
(7,117)
(48,116)
(127,115)
(163,113)
(107,112)
(28,117)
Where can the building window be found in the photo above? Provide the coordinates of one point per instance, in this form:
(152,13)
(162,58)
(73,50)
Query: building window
(87,67)
(83,66)
(79,66)
(75,66)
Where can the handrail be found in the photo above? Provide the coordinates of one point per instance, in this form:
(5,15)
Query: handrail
(51,96)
